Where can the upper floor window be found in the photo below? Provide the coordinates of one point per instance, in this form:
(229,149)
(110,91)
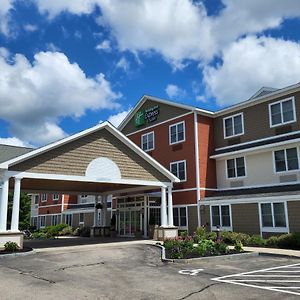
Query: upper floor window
(273,215)
(286,160)
(55,197)
(177,133)
(282,112)
(44,197)
(178,168)
(233,125)
(147,141)
(236,167)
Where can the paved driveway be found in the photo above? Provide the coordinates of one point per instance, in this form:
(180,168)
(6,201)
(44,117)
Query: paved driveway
(128,270)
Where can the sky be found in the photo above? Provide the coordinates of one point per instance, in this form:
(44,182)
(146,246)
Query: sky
(66,65)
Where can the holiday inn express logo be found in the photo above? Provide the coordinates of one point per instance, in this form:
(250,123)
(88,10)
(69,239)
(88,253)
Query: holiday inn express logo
(146,116)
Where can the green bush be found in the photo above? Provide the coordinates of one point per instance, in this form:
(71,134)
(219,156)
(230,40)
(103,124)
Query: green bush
(221,248)
(202,234)
(231,238)
(256,240)
(289,241)
(54,230)
(238,246)
(183,233)
(206,247)
(11,247)
(66,231)
(272,241)
(174,248)
(84,231)
(39,235)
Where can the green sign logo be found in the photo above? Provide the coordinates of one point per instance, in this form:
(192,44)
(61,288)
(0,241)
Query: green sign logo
(139,118)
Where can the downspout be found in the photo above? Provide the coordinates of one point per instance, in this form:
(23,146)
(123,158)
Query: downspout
(197,168)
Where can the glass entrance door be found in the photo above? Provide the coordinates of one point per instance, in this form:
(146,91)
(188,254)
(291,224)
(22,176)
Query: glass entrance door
(129,222)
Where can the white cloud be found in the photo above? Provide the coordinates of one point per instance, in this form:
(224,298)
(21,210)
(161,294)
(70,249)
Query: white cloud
(104,45)
(251,63)
(173,91)
(13,141)
(52,47)
(34,96)
(117,119)
(123,64)
(30,27)
(5,6)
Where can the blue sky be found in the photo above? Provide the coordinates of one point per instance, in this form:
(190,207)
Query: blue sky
(66,65)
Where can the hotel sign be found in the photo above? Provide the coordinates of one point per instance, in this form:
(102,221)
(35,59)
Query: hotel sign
(148,115)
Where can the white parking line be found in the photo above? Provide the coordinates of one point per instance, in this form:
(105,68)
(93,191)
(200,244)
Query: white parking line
(256,279)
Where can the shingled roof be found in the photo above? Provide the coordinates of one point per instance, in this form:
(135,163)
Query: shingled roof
(8,152)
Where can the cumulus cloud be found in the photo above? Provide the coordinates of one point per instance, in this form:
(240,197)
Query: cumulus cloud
(104,45)
(173,91)
(117,119)
(250,63)
(35,96)
(5,6)
(13,141)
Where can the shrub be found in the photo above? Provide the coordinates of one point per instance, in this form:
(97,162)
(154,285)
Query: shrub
(221,248)
(238,246)
(174,248)
(55,230)
(84,231)
(289,241)
(66,231)
(11,247)
(229,237)
(256,240)
(183,233)
(272,241)
(206,247)
(202,234)
(39,235)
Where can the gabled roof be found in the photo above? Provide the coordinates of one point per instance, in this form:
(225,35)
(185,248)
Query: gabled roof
(8,152)
(163,101)
(262,92)
(105,125)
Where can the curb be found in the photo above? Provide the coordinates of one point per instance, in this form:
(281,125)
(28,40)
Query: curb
(18,254)
(163,253)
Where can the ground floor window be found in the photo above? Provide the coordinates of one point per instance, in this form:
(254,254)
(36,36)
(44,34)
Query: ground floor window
(42,221)
(34,222)
(220,217)
(81,218)
(273,216)
(155,215)
(54,220)
(68,219)
(180,216)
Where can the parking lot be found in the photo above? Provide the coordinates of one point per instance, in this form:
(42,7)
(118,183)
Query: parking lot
(133,270)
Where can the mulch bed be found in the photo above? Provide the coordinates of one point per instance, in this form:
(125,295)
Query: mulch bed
(25,249)
(196,255)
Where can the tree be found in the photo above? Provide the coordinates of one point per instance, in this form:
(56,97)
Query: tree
(25,207)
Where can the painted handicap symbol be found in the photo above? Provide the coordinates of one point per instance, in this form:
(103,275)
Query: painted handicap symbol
(190,272)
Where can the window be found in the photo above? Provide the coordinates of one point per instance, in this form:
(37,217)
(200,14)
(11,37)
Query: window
(36,199)
(178,168)
(34,222)
(273,216)
(233,125)
(282,112)
(179,216)
(81,218)
(83,198)
(54,220)
(147,141)
(236,167)
(55,197)
(44,197)
(221,217)
(177,133)
(286,160)
(42,221)
(68,219)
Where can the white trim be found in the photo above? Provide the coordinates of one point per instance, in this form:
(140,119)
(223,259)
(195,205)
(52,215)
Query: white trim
(55,199)
(106,125)
(176,125)
(233,130)
(51,205)
(147,134)
(178,207)
(235,168)
(281,112)
(184,190)
(39,221)
(160,123)
(225,228)
(286,161)
(57,215)
(177,163)
(197,165)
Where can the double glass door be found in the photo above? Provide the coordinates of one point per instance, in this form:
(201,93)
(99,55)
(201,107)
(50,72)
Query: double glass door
(130,221)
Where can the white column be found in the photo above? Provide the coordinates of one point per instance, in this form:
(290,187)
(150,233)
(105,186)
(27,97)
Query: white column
(170,207)
(4,204)
(16,205)
(145,217)
(163,208)
(96,211)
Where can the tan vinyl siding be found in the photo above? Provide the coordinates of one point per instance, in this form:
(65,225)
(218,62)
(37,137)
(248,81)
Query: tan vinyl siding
(192,219)
(294,215)
(74,157)
(245,218)
(88,219)
(256,122)
(166,112)
(205,216)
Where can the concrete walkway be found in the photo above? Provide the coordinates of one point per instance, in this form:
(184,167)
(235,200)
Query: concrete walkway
(274,251)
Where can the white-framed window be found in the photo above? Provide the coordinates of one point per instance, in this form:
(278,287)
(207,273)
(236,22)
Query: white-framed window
(180,217)
(286,160)
(178,168)
(282,112)
(233,125)
(220,217)
(68,219)
(273,217)
(83,198)
(55,197)
(236,167)
(81,218)
(43,197)
(147,141)
(42,221)
(54,220)
(36,199)
(34,221)
(177,133)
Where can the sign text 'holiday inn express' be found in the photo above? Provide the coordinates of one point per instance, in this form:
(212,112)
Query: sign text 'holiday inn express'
(146,116)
